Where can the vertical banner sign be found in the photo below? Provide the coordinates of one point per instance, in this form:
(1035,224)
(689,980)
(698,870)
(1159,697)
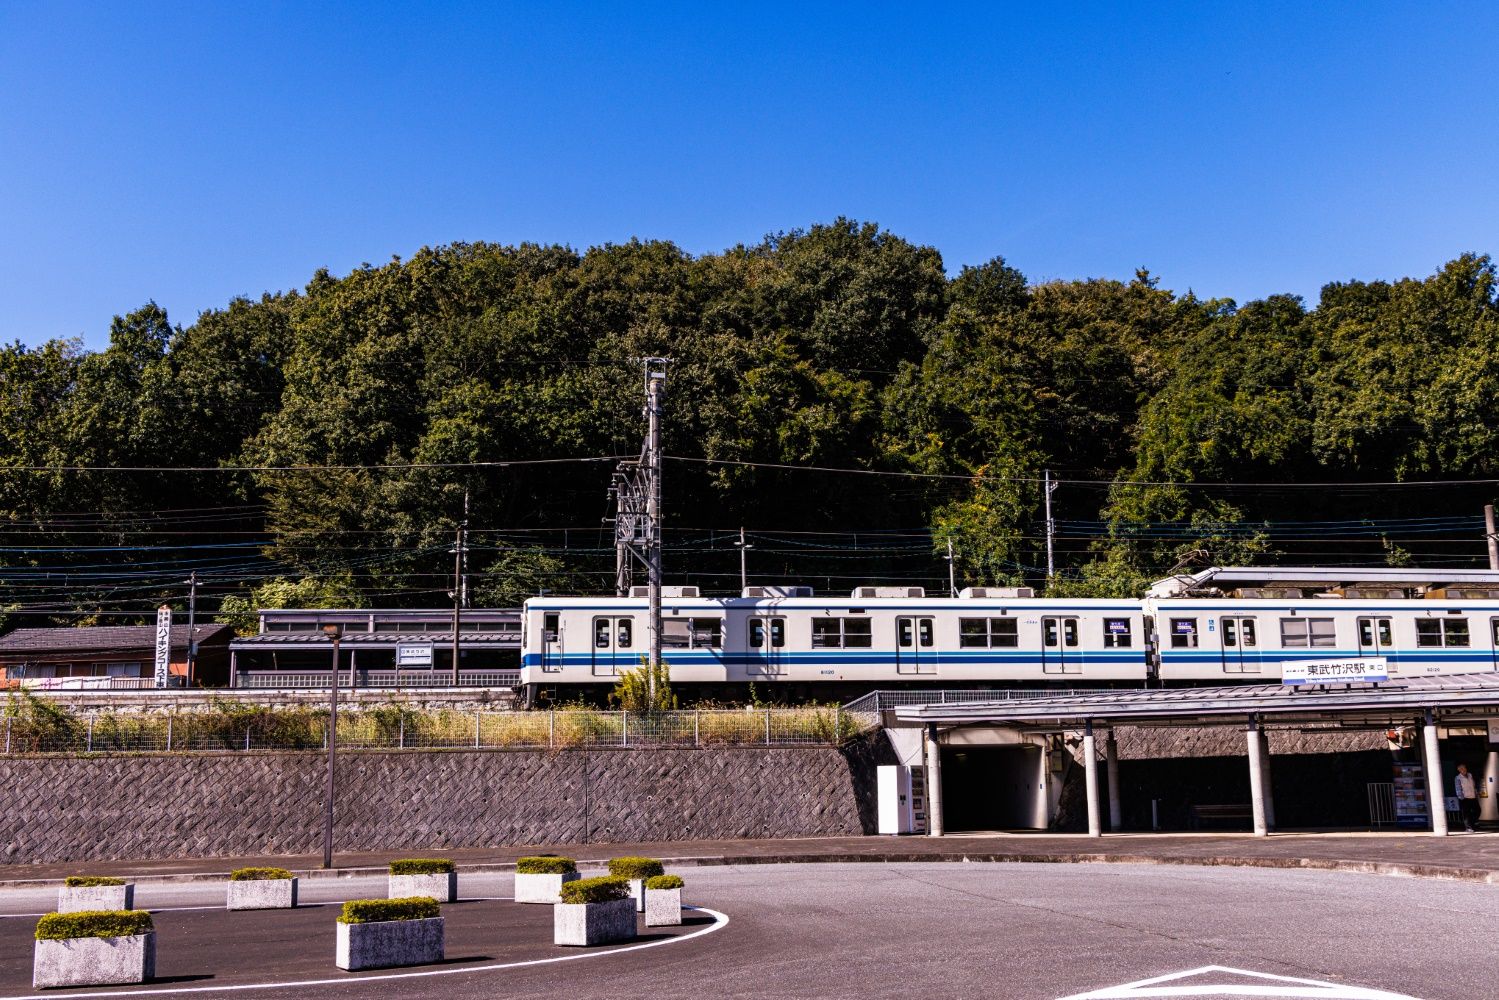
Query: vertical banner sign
(164,644)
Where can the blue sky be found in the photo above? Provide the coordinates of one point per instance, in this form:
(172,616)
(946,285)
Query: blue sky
(192,152)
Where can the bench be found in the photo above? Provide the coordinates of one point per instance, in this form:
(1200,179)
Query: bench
(1220,812)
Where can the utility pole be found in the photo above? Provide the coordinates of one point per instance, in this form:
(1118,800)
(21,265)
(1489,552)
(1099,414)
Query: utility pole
(1488,531)
(1051,566)
(636,492)
(655,380)
(333,632)
(192,613)
(743,575)
(952,574)
(460,581)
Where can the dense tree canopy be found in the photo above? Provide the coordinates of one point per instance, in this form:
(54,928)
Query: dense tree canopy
(844,346)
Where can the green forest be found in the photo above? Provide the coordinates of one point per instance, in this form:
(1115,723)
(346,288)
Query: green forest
(1177,426)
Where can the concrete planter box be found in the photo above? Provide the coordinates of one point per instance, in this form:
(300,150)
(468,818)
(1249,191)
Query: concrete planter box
(441,886)
(263,894)
(94,961)
(587,924)
(388,943)
(542,888)
(637,893)
(96,897)
(663,907)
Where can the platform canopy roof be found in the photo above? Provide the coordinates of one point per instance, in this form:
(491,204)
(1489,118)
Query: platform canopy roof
(1233,577)
(1454,698)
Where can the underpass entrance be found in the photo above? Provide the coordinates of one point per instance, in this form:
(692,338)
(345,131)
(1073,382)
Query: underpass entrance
(992,787)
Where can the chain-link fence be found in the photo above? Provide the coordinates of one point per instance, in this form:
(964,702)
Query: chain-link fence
(397,728)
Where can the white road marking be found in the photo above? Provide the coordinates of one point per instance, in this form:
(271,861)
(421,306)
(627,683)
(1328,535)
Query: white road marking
(720,921)
(1274,986)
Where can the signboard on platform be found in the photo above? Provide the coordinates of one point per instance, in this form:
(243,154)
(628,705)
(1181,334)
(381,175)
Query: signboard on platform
(413,654)
(1355,670)
(163,645)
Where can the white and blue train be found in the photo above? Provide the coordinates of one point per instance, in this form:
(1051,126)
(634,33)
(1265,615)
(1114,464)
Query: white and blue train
(1211,626)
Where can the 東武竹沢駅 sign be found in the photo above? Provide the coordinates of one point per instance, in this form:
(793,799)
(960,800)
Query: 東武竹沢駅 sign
(414,654)
(1355,669)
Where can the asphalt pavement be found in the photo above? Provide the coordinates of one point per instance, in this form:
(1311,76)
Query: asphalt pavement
(835,930)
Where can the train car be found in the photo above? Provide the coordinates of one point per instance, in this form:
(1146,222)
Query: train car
(876,636)
(1244,624)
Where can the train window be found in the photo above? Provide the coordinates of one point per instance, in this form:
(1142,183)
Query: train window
(1116,633)
(1374,632)
(691,633)
(1048,631)
(903,632)
(757,629)
(625,629)
(1003,632)
(601,633)
(831,633)
(1069,631)
(1299,633)
(1441,631)
(981,632)
(1184,633)
(551,624)
(924,630)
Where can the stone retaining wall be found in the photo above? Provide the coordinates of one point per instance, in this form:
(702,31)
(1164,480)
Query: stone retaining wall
(83,808)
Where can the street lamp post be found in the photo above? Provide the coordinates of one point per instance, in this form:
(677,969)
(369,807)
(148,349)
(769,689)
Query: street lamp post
(335,633)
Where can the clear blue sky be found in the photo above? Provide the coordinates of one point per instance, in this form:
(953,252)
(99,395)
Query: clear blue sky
(197,151)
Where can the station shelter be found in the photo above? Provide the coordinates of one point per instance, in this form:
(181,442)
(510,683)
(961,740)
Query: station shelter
(1025,745)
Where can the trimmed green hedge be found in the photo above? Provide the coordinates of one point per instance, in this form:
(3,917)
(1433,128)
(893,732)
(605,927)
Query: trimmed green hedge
(373,911)
(604,889)
(635,867)
(93,923)
(421,866)
(258,874)
(664,882)
(89,881)
(545,864)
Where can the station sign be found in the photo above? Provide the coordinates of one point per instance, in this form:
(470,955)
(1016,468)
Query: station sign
(1355,670)
(163,663)
(414,654)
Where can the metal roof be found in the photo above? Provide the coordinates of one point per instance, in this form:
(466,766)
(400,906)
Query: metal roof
(376,640)
(1472,696)
(103,639)
(1218,576)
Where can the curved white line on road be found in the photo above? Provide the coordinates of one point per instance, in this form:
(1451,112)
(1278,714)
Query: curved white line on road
(720,921)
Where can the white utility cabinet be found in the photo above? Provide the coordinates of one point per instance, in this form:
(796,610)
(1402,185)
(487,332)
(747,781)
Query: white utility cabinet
(902,798)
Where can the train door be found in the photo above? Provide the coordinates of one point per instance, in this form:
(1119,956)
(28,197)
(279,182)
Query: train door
(1241,645)
(915,648)
(767,645)
(1494,639)
(551,642)
(1376,637)
(613,645)
(1059,650)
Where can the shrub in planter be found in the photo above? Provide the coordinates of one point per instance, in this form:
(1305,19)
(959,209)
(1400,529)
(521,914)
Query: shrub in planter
(262,889)
(94,948)
(381,933)
(435,877)
(540,879)
(637,870)
(94,893)
(594,911)
(663,901)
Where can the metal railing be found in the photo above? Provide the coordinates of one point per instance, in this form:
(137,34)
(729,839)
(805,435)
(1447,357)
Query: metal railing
(383,679)
(883,701)
(95,683)
(1381,803)
(398,729)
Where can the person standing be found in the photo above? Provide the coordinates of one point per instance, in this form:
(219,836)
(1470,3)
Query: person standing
(1467,797)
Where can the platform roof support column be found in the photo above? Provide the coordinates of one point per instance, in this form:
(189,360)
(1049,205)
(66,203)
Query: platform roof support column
(1256,777)
(1267,778)
(1431,760)
(1111,760)
(933,782)
(1090,773)
(233,668)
